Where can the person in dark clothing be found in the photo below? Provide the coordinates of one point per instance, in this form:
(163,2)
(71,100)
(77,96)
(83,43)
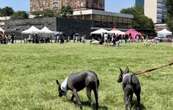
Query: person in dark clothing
(12,38)
(114,40)
(36,38)
(126,38)
(101,40)
(1,38)
(61,39)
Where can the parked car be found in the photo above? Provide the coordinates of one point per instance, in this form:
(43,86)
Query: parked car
(164,39)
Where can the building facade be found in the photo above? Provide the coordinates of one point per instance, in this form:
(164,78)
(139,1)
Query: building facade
(88,15)
(85,4)
(89,21)
(154,9)
(104,19)
(56,5)
(139,3)
(41,5)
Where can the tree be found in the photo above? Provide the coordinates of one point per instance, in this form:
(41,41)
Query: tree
(66,11)
(7,11)
(140,21)
(45,13)
(48,13)
(169,4)
(0,12)
(20,15)
(133,11)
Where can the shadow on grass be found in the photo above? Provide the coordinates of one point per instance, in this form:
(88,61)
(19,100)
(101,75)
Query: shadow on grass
(87,103)
(136,107)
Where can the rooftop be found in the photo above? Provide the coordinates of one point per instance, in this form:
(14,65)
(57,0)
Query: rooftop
(100,12)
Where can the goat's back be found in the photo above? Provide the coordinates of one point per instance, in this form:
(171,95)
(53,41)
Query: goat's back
(132,80)
(83,79)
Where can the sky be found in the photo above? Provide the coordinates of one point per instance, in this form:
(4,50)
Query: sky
(111,5)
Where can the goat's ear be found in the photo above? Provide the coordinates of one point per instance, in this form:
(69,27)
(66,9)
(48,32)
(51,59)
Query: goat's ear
(57,82)
(121,70)
(127,70)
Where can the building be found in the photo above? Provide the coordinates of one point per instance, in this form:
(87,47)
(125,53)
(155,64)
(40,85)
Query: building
(88,15)
(85,4)
(83,24)
(87,10)
(154,9)
(104,19)
(159,27)
(41,5)
(139,3)
(56,5)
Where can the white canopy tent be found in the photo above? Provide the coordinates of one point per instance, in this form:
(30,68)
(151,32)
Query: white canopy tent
(100,31)
(56,32)
(46,30)
(116,31)
(1,30)
(31,30)
(164,33)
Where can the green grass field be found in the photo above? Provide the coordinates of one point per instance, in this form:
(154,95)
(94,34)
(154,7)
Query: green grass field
(28,73)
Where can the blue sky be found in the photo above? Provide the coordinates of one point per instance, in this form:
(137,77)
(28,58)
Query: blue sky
(111,5)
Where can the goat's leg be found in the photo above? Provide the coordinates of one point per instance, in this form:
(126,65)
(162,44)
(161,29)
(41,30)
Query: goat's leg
(72,98)
(138,101)
(130,101)
(77,98)
(96,97)
(88,90)
(137,93)
(126,100)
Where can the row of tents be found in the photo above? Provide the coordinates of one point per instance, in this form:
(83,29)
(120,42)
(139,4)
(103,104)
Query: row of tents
(132,32)
(164,33)
(34,30)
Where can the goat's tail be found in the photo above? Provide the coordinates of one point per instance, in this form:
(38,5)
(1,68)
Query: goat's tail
(98,84)
(131,76)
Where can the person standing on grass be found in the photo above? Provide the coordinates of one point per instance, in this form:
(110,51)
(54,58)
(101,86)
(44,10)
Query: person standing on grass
(126,38)
(12,38)
(61,39)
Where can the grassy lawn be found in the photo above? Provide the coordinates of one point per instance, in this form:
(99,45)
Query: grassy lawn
(28,73)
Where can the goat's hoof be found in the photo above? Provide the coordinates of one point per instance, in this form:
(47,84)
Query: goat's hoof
(138,108)
(81,107)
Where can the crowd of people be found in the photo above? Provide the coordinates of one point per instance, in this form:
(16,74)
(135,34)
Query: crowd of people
(35,38)
(6,38)
(108,39)
(62,38)
(115,39)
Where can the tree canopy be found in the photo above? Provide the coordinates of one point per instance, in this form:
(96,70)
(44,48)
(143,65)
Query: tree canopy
(133,11)
(20,15)
(66,11)
(7,11)
(169,20)
(140,21)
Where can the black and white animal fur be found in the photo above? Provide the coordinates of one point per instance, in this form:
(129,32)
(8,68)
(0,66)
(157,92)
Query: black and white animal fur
(130,85)
(78,81)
